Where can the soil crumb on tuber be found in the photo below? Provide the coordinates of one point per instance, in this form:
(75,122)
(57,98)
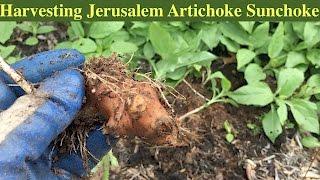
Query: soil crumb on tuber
(132,107)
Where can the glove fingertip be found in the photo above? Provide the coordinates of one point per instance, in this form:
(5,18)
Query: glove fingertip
(42,65)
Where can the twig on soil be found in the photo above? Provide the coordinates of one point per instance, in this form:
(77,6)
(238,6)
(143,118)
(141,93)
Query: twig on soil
(269,158)
(17,77)
(314,157)
(195,91)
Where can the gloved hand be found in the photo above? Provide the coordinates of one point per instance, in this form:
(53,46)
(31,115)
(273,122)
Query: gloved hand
(29,123)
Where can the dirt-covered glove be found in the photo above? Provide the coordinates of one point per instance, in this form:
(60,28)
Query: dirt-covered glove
(29,123)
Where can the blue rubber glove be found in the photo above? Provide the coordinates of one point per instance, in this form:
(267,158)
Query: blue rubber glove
(29,123)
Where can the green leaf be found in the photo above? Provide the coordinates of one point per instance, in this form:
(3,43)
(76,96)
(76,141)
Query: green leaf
(313,55)
(302,67)
(102,29)
(290,37)
(177,74)
(300,46)
(295,58)
(106,53)
(6,29)
(314,81)
(271,124)
(278,61)
(282,111)
(210,35)
(231,45)
(45,29)
(161,40)
(123,47)
(311,31)
(247,25)
(254,73)
(85,45)
(25,26)
(181,43)
(196,57)
(138,40)
(77,29)
(277,42)
(113,160)
(264,48)
(229,137)
(225,83)
(31,41)
(140,24)
(244,56)
(139,28)
(64,45)
(13,59)
(288,81)
(120,36)
(148,51)
(313,85)
(234,31)
(258,94)
(260,35)
(227,126)
(310,142)
(166,65)
(5,51)
(305,114)
(298,27)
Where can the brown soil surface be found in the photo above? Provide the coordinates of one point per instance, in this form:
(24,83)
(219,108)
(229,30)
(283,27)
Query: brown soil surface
(208,155)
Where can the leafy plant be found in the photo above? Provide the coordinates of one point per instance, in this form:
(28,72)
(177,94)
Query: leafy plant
(170,51)
(35,28)
(291,50)
(99,38)
(7,28)
(310,142)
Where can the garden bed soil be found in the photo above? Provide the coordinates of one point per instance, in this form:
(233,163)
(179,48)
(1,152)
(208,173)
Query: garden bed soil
(208,155)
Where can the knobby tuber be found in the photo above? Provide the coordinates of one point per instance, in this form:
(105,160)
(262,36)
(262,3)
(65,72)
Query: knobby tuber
(133,107)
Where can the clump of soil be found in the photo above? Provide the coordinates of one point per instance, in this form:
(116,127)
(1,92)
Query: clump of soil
(133,107)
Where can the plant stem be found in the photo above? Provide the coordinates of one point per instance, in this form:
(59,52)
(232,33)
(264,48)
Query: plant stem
(213,100)
(17,77)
